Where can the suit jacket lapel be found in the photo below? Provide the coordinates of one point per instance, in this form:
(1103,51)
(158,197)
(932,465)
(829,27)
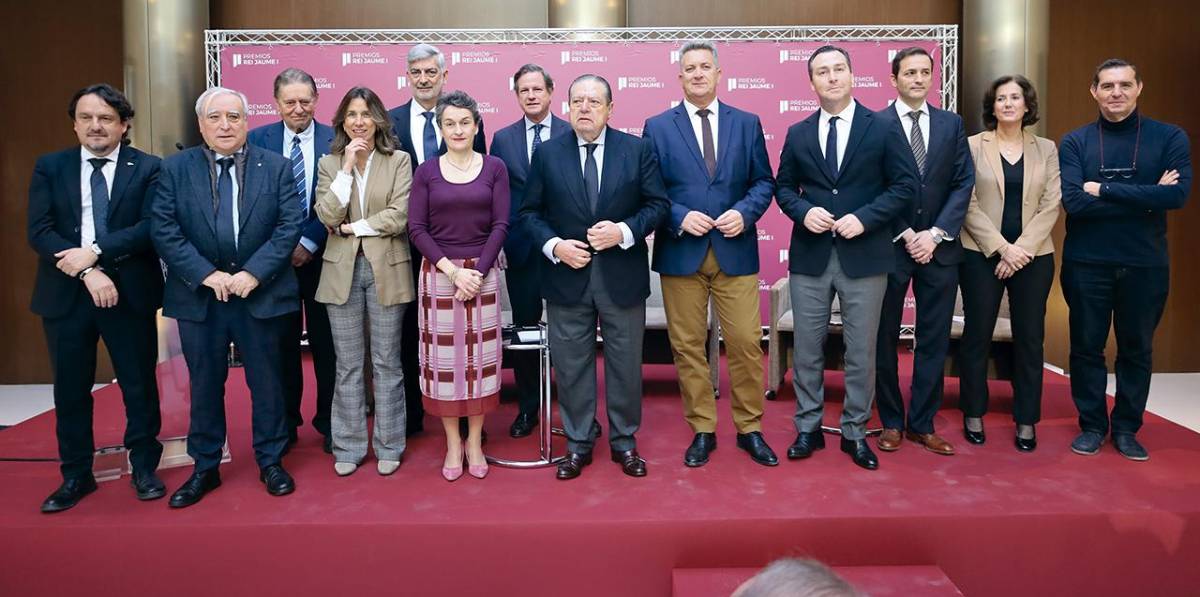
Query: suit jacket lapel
(613,167)
(814,146)
(1033,160)
(858,129)
(724,135)
(253,180)
(379,165)
(126,164)
(683,122)
(574,174)
(202,188)
(74,192)
(991,152)
(936,140)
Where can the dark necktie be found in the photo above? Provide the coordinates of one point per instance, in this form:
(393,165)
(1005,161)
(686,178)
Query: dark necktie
(226,239)
(99,198)
(430,138)
(831,147)
(916,140)
(710,153)
(537,139)
(591,177)
(298,172)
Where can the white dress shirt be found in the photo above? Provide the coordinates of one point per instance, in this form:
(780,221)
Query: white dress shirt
(87,225)
(529,133)
(598,155)
(698,126)
(308,150)
(342,189)
(845,119)
(906,121)
(416,129)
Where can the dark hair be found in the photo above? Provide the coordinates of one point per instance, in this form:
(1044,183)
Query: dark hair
(591,77)
(823,50)
(385,142)
(533,68)
(905,53)
(109,94)
(293,75)
(456,99)
(1115,63)
(989,101)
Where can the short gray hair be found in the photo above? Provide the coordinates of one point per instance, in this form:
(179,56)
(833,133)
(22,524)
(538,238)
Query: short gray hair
(698,45)
(212,92)
(422,51)
(457,99)
(791,577)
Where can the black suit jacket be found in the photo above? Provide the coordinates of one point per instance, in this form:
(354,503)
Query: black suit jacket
(508,144)
(876,182)
(400,116)
(555,204)
(127,256)
(945,187)
(270,137)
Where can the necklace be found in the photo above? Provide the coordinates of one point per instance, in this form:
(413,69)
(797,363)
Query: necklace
(470,162)
(1013,148)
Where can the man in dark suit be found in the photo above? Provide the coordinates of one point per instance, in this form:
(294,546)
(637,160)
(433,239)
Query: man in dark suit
(303,141)
(98,277)
(591,199)
(515,144)
(226,221)
(845,173)
(714,162)
(927,255)
(413,123)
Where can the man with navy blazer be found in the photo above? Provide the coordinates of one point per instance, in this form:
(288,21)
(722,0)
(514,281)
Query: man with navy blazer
(303,141)
(927,255)
(713,159)
(98,277)
(592,198)
(844,175)
(226,220)
(414,126)
(515,144)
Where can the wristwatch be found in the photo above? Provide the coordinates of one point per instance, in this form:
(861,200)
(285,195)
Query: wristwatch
(84,272)
(937,234)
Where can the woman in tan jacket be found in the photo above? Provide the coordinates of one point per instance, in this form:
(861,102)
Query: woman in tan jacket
(362,196)
(1007,237)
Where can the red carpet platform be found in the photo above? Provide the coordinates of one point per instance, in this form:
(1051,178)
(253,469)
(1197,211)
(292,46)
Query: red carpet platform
(994,521)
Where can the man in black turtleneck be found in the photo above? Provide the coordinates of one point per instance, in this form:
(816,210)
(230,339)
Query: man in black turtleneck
(1120,175)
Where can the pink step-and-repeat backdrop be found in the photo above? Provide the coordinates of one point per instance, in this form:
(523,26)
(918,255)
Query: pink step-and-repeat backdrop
(767,78)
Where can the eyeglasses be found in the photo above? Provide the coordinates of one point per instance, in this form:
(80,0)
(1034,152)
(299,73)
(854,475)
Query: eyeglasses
(1111,173)
(1125,173)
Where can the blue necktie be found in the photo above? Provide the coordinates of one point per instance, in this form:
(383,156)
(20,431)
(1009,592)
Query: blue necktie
(99,198)
(537,139)
(430,140)
(831,147)
(298,172)
(591,177)
(226,239)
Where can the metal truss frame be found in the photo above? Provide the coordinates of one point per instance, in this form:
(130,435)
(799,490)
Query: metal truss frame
(946,35)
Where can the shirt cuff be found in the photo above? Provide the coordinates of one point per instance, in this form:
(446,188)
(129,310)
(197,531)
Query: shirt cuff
(626,235)
(362,228)
(341,187)
(548,249)
(939,232)
(308,243)
(901,235)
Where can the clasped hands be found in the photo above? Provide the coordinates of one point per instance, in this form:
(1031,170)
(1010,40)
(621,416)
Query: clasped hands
(1012,259)
(729,224)
(467,283)
(225,285)
(101,288)
(604,234)
(818,220)
(920,245)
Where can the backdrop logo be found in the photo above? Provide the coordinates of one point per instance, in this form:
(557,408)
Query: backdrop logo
(796,105)
(632,130)
(674,56)
(324,83)
(349,58)
(866,82)
(892,55)
(735,84)
(257,59)
(401,82)
(582,56)
(674,103)
(566,107)
(639,83)
(764,235)
(487,108)
(474,57)
(794,55)
(783,255)
(260,109)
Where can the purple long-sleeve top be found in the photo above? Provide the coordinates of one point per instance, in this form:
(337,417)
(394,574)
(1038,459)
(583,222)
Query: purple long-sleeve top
(459,221)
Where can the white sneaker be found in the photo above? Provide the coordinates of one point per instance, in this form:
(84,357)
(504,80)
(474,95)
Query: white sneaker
(344,468)
(387,467)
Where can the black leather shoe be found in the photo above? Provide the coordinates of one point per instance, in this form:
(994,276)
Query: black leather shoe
(523,425)
(974,437)
(1025,445)
(327,444)
(860,452)
(68,494)
(760,452)
(148,486)
(572,465)
(631,464)
(277,480)
(697,453)
(806,443)
(195,488)
(1129,447)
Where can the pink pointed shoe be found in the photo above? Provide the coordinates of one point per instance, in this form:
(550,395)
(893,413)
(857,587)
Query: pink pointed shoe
(478,471)
(453,473)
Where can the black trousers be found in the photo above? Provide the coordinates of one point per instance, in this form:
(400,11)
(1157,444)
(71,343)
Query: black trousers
(524,294)
(320,344)
(934,287)
(1131,300)
(132,342)
(409,349)
(1028,290)
(205,348)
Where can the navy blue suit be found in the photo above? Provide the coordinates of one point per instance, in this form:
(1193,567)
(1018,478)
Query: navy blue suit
(184,229)
(523,275)
(942,201)
(315,318)
(72,322)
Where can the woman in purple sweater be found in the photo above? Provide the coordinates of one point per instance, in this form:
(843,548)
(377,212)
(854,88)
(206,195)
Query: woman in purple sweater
(458,219)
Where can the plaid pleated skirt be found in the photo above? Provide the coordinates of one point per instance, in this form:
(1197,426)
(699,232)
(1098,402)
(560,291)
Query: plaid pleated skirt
(460,344)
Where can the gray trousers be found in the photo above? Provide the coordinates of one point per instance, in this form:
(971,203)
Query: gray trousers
(861,301)
(348,419)
(572,331)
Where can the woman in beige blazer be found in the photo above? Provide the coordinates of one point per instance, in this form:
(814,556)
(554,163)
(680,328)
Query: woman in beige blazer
(362,196)
(1008,247)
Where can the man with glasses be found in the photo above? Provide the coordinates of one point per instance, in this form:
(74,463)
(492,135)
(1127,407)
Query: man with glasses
(1120,175)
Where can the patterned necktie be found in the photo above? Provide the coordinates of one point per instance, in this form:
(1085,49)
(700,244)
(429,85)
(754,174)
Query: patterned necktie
(537,139)
(710,152)
(916,140)
(99,198)
(831,147)
(591,177)
(298,172)
(430,138)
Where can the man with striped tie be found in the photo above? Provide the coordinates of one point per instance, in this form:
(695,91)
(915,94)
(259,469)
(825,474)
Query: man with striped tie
(303,140)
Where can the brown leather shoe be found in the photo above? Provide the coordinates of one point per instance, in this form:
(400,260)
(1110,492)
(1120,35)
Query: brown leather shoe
(572,465)
(631,464)
(890,440)
(932,442)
